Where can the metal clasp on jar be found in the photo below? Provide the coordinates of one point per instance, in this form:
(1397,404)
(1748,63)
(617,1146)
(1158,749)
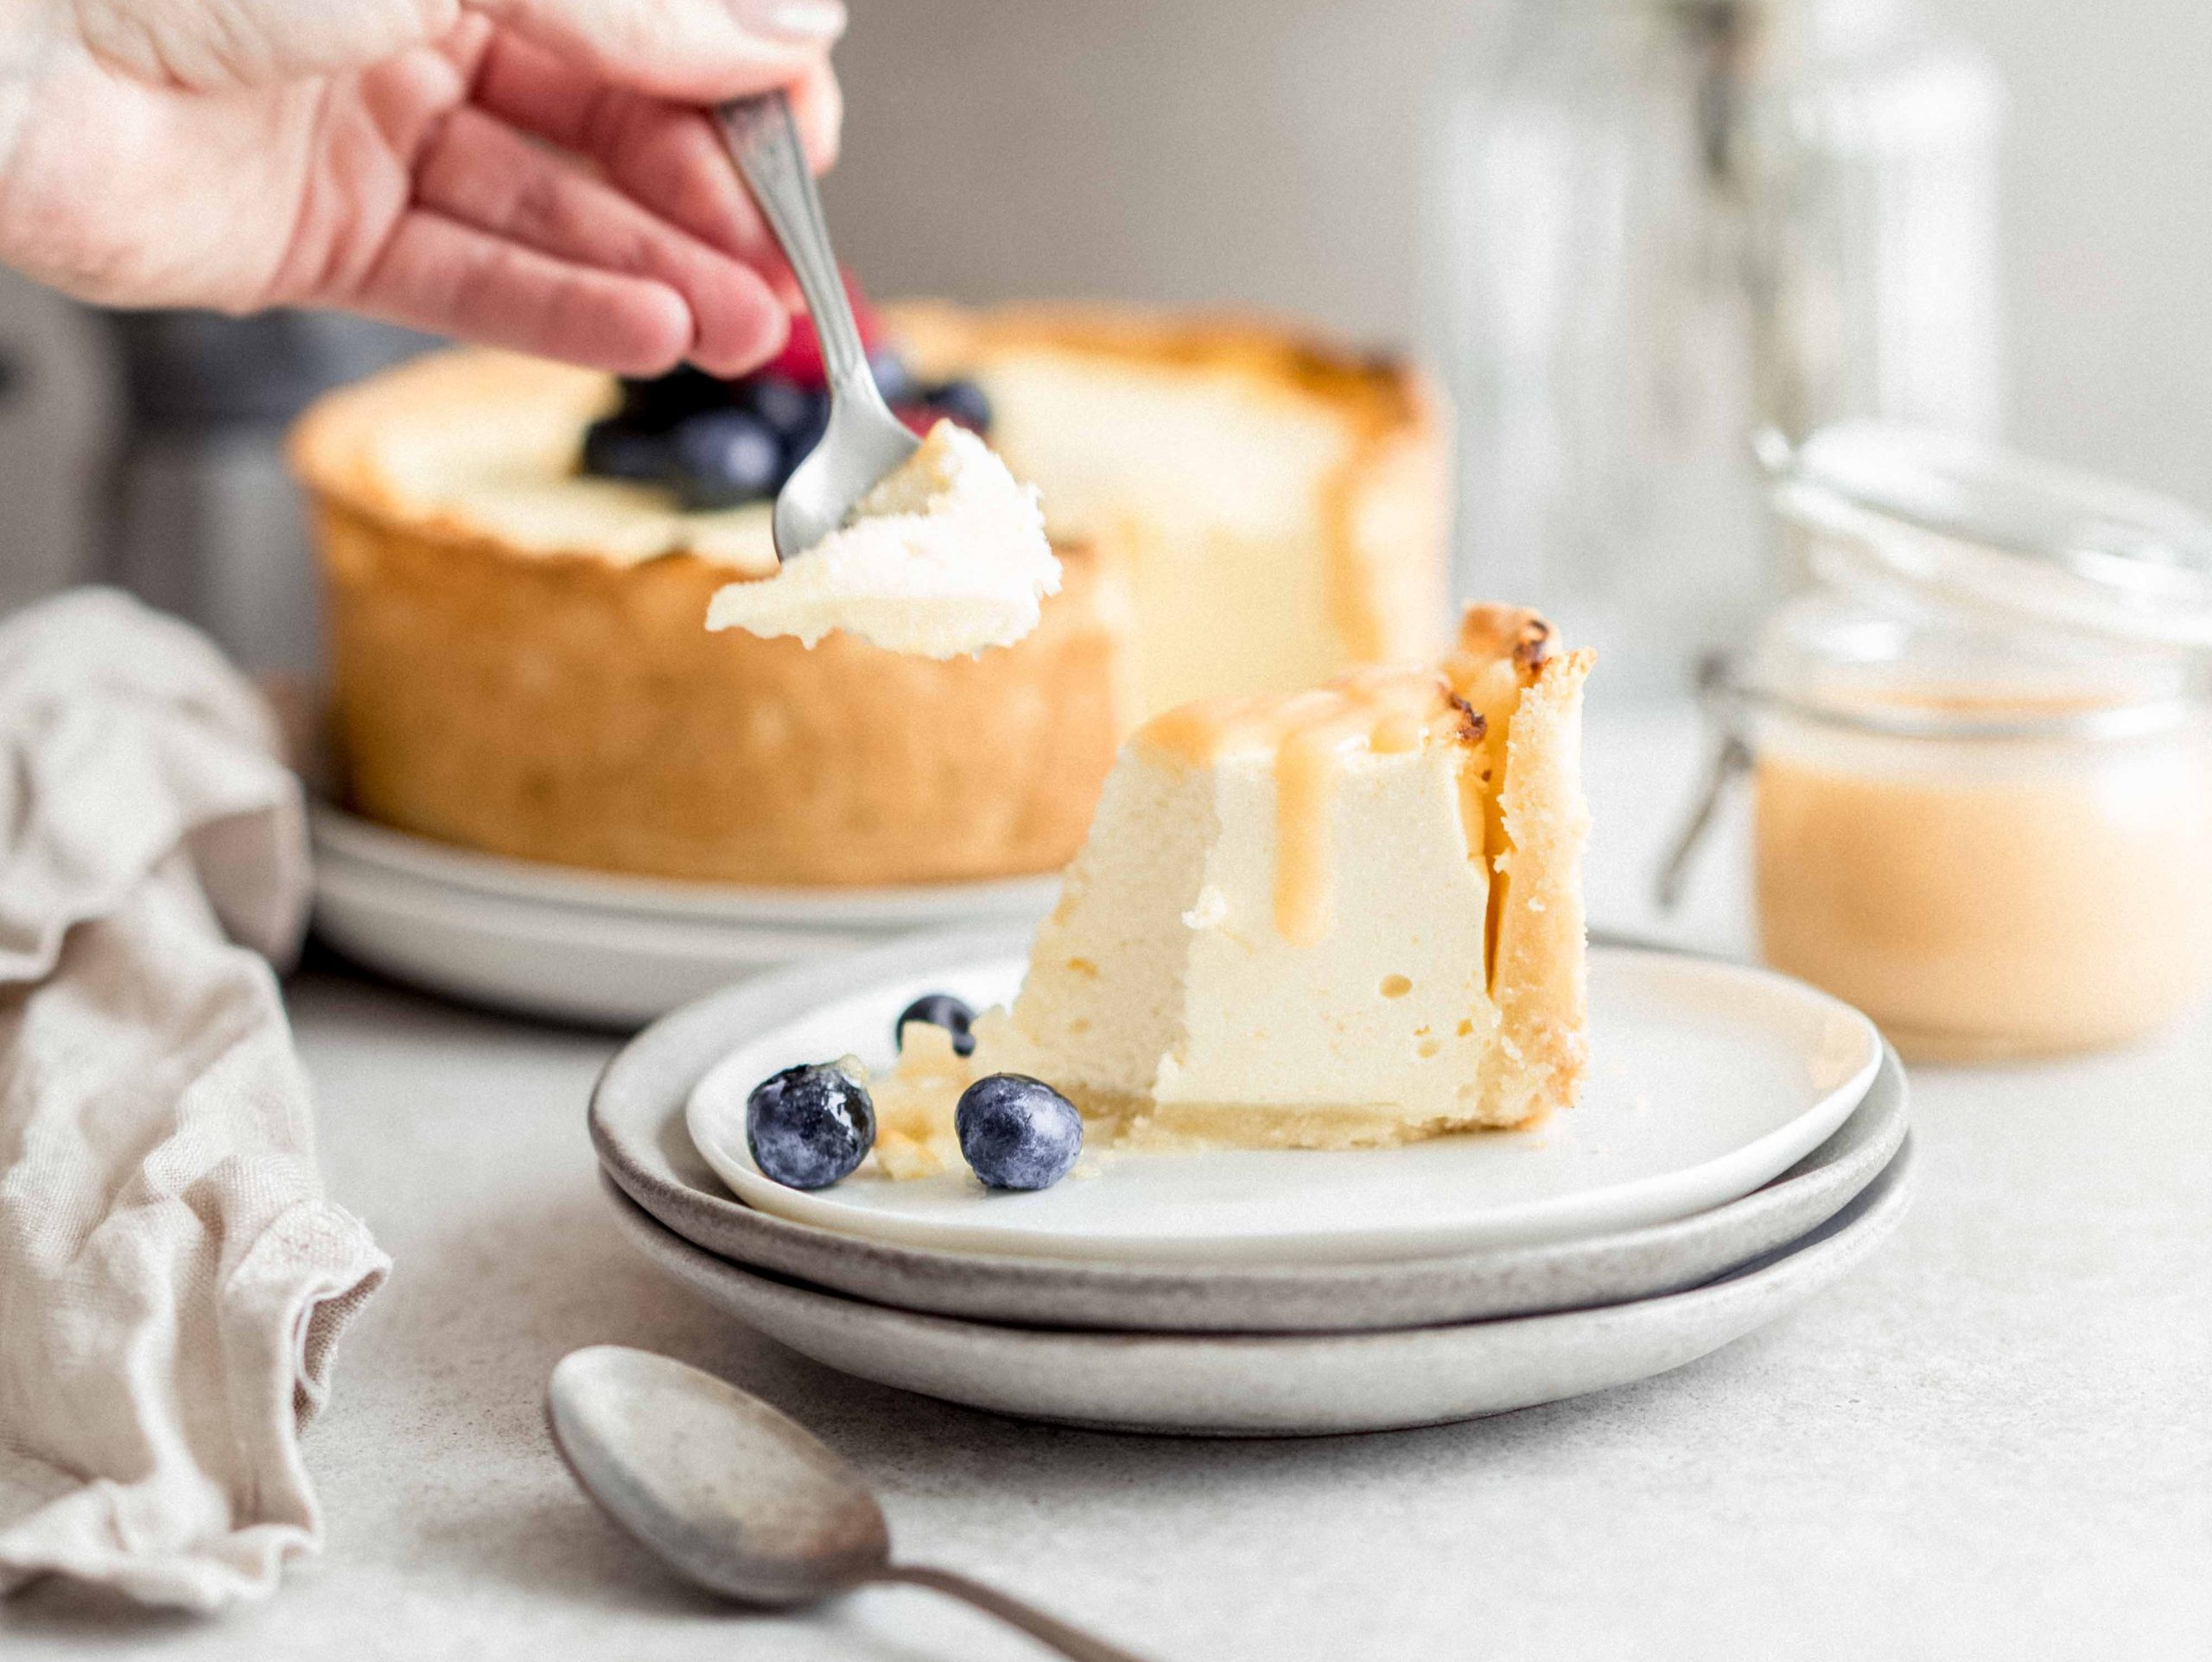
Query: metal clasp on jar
(1718,696)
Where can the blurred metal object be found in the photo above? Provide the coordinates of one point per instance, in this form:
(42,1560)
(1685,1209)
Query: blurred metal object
(1663,225)
(199,516)
(1732,759)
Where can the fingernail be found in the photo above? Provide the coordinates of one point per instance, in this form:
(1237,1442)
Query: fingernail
(795,20)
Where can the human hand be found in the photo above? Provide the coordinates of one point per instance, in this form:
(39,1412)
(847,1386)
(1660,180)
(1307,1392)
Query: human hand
(531,174)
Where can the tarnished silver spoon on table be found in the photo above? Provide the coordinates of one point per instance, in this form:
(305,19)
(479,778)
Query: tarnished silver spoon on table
(735,1497)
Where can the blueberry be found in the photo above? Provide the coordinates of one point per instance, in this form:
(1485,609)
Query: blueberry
(808,1127)
(725,457)
(940,1010)
(894,379)
(1016,1131)
(660,403)
(784,407)
(962,402)
(615,449)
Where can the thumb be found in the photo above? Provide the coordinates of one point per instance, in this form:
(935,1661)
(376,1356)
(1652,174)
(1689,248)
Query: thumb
(690,51)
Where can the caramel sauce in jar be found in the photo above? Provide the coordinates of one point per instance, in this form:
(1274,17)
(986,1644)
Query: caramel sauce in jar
(1977,741)
(1986,894)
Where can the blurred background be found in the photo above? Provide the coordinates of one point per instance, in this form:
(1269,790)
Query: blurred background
(1320,158)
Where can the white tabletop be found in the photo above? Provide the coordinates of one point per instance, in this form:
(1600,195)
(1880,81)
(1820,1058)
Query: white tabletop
(1995,1440)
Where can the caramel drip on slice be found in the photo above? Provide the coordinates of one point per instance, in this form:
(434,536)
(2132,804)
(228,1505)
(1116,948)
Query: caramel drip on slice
(1490,634)
(1501,651)
(1307,736)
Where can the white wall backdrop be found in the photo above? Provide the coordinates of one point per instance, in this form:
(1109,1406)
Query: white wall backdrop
(2108,227)
(1266,151)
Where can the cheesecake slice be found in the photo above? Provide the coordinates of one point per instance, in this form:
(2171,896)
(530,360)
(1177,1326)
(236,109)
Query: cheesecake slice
(1342,918)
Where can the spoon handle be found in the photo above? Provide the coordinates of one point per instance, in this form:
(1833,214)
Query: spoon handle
(763,140)
(1048,1630)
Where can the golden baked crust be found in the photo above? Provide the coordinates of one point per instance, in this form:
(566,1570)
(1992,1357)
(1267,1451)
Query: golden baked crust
(574,711)
(561,699)
(1507,666)
(1489,631)
(560,705)
(1539,979)
(336,449)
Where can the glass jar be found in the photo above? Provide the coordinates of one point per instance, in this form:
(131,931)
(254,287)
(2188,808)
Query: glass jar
(1981,780)
(1660,225)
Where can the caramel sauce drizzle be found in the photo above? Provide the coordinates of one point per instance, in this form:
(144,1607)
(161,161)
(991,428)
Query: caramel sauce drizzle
(1382,712)
(1501,651)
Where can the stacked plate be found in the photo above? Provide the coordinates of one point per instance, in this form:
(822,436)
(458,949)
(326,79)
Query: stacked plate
(588,946)
(1740,1145)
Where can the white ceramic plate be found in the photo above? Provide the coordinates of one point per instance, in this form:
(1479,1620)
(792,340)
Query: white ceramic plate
(636,1121)
(883,911)
(1707,1080)
(575,966)
(583,946)
(1283,1385)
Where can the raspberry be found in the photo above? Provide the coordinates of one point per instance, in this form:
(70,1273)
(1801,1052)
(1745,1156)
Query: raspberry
(801,358)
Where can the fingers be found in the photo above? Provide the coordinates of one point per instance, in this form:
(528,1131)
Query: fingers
(666,156)
(480,173)
(530,83)
(449,278)
(687,51)
(818,106)
(661,256)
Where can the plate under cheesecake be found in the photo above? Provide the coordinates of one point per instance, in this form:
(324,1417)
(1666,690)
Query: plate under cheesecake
(1284,1384)
(637,1124)
(1707,1079)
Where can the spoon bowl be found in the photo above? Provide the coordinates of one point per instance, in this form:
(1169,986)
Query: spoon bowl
(863,441)
(734,1495)
(739,1499)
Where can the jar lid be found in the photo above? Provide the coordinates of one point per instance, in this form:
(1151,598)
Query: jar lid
(1972,527)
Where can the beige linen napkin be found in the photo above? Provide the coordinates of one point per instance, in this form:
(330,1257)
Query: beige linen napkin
(171,1277)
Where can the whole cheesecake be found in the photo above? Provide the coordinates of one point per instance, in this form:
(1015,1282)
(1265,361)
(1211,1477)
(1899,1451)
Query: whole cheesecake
(520,662)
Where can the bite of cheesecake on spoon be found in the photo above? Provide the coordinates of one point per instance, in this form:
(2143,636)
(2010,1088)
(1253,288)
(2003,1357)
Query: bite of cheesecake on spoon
(928,546)
(737,1498)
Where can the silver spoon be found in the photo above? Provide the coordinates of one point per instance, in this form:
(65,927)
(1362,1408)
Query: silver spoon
(733,1496)
(864,441)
